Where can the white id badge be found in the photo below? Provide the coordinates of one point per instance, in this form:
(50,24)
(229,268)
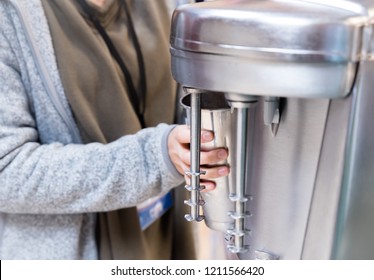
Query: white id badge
(153,208)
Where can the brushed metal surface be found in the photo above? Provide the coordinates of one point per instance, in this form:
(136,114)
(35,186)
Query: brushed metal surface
(248,42)
(321,228)
(281,177)
(284,30)
(354,236)
(312,184)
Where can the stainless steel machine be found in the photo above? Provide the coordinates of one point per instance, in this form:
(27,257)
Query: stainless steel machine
(299,75)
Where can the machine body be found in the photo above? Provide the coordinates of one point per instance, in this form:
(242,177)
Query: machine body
(300,73)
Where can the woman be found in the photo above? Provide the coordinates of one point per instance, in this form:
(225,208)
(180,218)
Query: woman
(73,141)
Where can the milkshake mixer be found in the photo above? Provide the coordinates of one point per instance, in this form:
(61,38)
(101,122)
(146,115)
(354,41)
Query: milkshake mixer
(299,77)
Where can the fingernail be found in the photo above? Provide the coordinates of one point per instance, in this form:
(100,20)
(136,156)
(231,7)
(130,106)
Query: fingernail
(222,171)
(222,154)
(209,187)
(207,136)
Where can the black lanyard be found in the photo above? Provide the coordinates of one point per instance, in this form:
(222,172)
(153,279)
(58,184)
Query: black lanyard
(137,98)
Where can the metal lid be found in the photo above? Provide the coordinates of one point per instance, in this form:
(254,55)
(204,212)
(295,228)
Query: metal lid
(285,48)
(265,29)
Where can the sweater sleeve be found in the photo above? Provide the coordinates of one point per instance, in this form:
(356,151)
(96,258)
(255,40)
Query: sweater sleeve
(60,178)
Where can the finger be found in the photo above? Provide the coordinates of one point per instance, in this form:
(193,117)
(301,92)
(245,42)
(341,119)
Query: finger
(215,172)
(206,136)
(205,184)
(213,156)
(182,134)
(208,185)
(183,168)
(206,157)
(185,156)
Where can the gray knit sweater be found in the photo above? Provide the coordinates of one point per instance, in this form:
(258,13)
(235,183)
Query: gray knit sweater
(51,185)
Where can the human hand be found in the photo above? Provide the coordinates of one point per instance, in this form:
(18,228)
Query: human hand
(179,152)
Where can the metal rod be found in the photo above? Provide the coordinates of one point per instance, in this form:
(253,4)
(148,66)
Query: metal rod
(195,142)
(242,104)
(195,152)
(242,126)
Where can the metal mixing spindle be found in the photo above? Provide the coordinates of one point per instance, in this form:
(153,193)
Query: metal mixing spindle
(194,173)
(242,104)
